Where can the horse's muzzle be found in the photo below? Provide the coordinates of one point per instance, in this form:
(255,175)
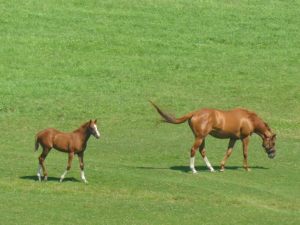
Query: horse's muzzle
(271,153)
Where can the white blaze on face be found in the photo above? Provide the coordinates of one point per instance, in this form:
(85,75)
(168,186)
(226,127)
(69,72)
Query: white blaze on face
(96,130)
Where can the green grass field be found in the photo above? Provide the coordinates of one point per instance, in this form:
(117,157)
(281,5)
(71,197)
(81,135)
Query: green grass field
(65,62)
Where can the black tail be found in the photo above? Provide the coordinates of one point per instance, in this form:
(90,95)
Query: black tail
(169,118)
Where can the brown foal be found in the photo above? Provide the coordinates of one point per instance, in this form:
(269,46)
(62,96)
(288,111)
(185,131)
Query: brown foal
(236,124)
(71,143)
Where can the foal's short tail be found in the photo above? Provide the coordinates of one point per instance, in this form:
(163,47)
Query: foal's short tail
(171,119)
(36,146)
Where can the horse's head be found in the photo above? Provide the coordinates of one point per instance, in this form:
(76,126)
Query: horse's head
(93,128)
(269,145)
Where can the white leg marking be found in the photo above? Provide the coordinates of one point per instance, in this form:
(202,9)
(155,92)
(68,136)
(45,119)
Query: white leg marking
(83,177)
(208,164)
(63,175)
(192,164)
(39,171)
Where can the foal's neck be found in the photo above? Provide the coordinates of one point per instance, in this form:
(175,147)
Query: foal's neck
(83,133)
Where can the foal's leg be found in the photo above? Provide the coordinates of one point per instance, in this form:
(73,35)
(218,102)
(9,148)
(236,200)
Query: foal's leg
(245,153)
(81,164)
(71,156)
(39,172)
(197,143)
(203,154)
(42,166)
(228,153)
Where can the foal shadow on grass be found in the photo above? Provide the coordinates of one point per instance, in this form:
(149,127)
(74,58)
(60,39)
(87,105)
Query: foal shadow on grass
(186,169)
(57,179)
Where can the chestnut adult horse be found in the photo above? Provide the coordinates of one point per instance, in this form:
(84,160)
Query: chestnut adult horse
(236,124)
(71,143)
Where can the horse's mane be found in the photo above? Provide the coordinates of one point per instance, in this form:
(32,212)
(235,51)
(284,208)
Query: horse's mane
(267,126)
(254,118)
(82,126)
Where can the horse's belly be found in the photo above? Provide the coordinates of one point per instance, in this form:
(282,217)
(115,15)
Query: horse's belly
(61,147)
(61,143)
(223,134)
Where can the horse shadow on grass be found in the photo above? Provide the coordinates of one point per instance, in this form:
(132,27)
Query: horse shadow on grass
(186,169)
(53,179)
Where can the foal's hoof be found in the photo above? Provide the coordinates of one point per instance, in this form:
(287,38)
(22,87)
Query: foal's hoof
(222,170)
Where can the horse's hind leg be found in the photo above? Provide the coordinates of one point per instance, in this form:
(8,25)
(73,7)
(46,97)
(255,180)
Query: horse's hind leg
(42,158)
(228,153)
(197,143)
(70,159)
(203,154)
(39,172)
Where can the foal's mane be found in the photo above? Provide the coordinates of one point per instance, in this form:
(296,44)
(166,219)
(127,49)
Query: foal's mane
(83,126)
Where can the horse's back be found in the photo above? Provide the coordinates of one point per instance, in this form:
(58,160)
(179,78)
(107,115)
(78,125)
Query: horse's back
(47,132)
(46,136)
(225,124)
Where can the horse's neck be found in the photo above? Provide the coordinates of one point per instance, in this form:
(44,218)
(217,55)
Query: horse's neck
(260,128)
(83,133)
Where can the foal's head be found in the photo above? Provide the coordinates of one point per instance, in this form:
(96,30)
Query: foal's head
(269,145)
(92,128)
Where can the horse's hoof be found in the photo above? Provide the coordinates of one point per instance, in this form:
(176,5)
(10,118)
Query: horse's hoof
(212,171)
(222,170)
(45,178)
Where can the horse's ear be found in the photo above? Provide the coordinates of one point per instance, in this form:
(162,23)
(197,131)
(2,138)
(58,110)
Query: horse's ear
(90,122)
(274,136)
(95,121)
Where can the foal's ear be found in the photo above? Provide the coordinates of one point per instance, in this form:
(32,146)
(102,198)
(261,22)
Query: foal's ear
(274,136)
(90,122)
(95,121)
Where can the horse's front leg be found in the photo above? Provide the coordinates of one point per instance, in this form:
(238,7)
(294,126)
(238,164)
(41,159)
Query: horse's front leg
(81,164)
(228,153)
(71,156)
(203,154)
(245,153)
